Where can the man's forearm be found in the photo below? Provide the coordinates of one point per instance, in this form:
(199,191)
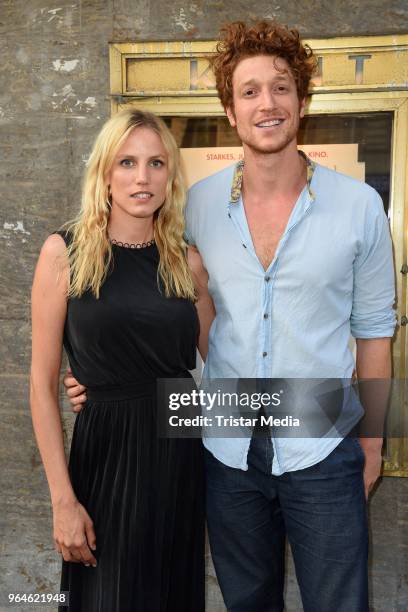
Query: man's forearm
(374,374)
(373,358)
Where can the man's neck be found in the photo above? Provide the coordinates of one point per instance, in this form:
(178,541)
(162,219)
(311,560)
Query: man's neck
(273,176)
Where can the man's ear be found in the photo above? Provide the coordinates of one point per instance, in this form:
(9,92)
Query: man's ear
(302,107)
(231,116)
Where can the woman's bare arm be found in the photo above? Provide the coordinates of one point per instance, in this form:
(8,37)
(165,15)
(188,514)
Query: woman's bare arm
(71,522)
(204,304)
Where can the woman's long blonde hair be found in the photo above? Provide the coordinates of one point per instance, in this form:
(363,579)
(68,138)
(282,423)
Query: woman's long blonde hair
(89,250)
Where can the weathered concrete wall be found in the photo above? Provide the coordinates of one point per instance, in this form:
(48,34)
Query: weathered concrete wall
(54,95)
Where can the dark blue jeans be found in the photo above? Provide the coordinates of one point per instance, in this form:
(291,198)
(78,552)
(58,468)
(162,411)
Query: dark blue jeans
(321,509)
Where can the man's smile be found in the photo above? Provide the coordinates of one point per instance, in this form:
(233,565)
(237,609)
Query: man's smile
(269,123)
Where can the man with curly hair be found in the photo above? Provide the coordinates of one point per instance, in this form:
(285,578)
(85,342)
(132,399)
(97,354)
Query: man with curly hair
(297,256)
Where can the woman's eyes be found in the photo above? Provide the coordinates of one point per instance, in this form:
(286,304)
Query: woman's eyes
(129,163)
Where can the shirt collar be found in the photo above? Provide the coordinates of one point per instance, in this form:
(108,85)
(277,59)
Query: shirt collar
(239,171)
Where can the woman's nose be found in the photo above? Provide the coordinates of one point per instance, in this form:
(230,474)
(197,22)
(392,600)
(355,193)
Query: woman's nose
(141,175)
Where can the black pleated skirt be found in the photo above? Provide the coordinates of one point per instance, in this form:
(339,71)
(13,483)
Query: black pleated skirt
(145,496)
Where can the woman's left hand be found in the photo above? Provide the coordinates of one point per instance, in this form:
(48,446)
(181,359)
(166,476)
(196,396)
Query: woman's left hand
(74,533)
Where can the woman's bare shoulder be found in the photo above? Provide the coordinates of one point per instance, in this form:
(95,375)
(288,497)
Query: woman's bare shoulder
(54,246)
(53,263)
(195,262)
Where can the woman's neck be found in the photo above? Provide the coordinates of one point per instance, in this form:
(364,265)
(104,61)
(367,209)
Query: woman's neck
(132,231)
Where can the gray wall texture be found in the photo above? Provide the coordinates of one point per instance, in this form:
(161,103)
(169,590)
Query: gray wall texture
(54,96)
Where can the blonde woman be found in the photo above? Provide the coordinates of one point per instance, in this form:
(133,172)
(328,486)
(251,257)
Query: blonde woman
(116,290)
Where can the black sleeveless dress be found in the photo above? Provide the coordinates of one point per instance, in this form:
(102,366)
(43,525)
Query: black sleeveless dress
(143,493)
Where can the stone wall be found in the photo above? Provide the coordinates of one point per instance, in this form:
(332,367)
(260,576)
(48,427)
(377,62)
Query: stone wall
(54,96)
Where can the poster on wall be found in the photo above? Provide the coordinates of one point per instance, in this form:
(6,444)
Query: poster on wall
(201,162)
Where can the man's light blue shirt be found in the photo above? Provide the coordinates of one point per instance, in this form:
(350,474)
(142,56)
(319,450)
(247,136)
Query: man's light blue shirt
(332,275)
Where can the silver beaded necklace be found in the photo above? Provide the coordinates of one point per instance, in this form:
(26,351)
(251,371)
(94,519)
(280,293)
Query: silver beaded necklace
(132,245)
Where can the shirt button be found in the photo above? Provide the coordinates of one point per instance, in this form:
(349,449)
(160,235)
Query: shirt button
(264,354)
(266,315)
(267,279)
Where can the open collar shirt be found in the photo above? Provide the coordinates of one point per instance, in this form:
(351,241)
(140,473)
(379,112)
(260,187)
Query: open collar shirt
(332,275)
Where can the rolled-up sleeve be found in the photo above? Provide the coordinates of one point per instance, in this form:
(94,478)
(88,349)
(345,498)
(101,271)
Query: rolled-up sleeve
(373,314)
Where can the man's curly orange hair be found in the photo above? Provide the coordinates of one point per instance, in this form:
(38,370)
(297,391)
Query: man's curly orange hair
(239,40)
